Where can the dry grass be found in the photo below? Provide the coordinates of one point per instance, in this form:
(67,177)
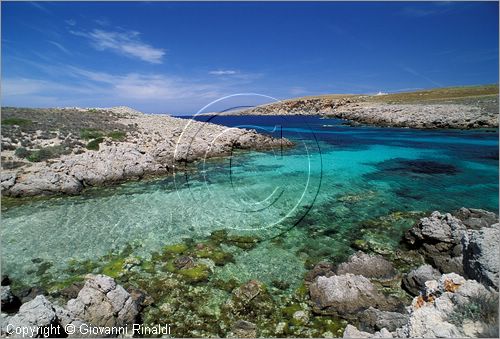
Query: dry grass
(437,95)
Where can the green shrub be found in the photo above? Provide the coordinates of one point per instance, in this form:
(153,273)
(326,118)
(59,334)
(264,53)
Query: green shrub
(90,133)
(481,307)
(94,144)
(46,153)
(16,121)
(117,135)
(22,152)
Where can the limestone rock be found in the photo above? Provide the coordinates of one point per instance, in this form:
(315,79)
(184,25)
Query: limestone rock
(480,254)
(346,295)
(352,332)
(373,319)
(476,218)
(37,313)
(414,281)
(101,302)
(438,238)
(369,266)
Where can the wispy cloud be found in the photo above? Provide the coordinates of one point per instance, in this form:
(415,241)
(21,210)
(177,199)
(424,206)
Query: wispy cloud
(60,47)
(70,22)
(148,86)
(425,9)
(39,6)
(420,75)
(126,43)
(223,72)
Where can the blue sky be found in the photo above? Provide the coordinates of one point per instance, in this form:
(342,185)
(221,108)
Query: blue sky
(178,57)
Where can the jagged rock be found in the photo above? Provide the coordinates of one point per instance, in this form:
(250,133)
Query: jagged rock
(414,281)
(373,319)
(154,147)
(346,295)
(438,238)
(369,266)
(480,254)
(447,304)
(352,332)
(102,302)
(37,313)
(7,180)
(476,218)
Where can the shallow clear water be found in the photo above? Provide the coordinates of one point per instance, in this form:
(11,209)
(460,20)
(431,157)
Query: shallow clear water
(310,202)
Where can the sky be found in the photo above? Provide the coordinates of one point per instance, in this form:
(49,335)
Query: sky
(178,58)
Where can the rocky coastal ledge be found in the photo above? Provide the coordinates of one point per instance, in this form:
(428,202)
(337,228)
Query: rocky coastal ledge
(401,294)
(57,151)
(460,108)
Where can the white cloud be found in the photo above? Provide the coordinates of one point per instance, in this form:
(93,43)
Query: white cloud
(60,47)
(70,22)
(127,43)
(223,72)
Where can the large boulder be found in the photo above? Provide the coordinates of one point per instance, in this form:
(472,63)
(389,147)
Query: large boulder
(372,320)
(414,281)
(481,254)
(102,302)
(352,332)
(346,295)
(369,266)
(438,239)
(35,315)
(474,218)
(447,308)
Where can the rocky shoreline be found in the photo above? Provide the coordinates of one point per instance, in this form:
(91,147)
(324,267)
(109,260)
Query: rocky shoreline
(470,112)
(369,295)
(107,147)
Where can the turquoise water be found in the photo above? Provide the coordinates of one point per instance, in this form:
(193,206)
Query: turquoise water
(306,204)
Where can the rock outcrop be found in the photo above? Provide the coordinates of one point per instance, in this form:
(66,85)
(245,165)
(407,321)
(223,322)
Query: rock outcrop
(102,302)
(438,238)
(450,307)
(414,281)
(481,260)
(346,295)
(157,145)
(365,110)
(369,266)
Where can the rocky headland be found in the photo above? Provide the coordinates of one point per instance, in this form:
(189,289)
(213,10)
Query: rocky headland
(459,108)
(406,293)
(63,151)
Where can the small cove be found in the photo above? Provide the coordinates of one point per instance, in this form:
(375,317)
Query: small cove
(339,185)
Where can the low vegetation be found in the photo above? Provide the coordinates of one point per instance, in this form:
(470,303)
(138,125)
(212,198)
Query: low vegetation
(93,145)
(482,308)
(42,154)
(16,121)
(38,134)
